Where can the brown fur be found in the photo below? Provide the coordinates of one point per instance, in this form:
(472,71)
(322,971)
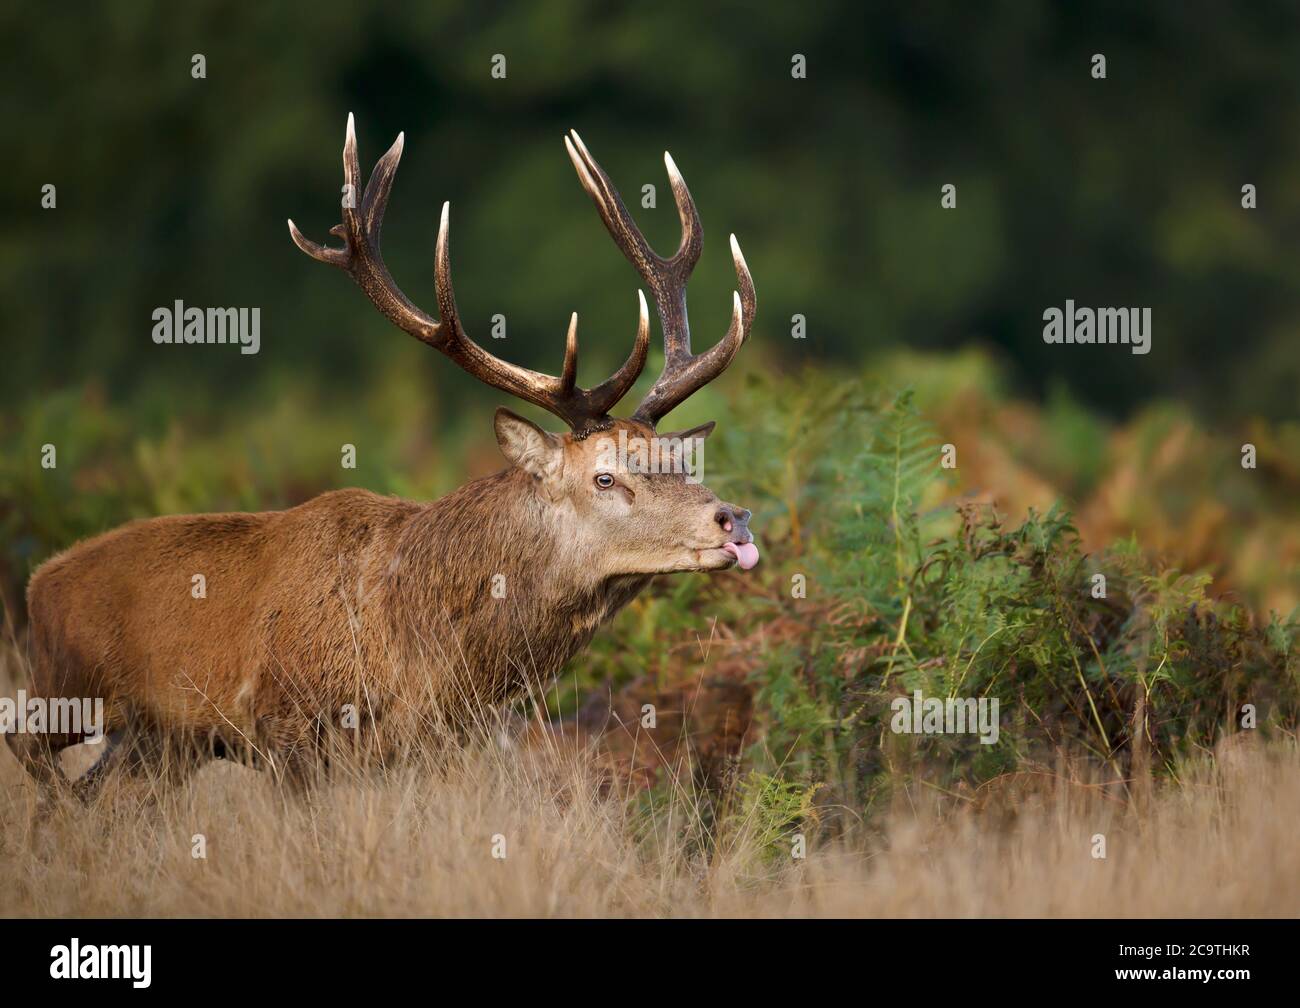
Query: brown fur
(355,599)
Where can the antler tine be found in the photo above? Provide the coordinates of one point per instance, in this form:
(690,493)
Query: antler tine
(683,373)
(360,255)
(627,236)
(692,243)
(569,373)
(375,199)
(584,410)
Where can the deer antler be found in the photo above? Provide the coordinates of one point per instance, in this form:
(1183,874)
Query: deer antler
(684,373)
(584,410)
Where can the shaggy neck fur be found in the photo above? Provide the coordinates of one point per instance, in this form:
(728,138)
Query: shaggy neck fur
(487,587)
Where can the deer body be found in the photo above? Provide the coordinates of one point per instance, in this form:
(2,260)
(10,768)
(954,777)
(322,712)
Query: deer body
(372,616)
(349,601)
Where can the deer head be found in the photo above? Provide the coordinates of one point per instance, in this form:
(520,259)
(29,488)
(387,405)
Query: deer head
(616,492)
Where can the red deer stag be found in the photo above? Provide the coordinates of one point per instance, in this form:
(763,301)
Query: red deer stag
(355,612)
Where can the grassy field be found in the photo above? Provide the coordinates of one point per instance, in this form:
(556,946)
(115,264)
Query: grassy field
(420,841)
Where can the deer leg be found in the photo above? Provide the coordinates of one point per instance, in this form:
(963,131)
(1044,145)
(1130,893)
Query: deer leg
(88,784)
(165,757)
(146,755)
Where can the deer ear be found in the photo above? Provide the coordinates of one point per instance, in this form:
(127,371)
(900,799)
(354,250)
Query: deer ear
(701,432)
(527,446)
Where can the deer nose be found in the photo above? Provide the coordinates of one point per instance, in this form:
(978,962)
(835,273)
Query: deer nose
(729,517)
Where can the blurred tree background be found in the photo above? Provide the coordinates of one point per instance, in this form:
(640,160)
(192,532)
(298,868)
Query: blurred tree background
(1124,191)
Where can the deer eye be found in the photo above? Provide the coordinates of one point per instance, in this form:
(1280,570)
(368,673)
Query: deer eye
(604,480)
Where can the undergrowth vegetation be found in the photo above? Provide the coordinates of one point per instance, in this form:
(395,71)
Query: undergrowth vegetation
(882,578)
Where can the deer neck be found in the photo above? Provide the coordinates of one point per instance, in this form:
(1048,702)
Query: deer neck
(487,575)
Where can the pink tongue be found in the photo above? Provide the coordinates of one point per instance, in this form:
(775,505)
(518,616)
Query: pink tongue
(746,554)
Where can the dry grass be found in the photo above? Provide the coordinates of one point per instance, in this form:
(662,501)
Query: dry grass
(417,841)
